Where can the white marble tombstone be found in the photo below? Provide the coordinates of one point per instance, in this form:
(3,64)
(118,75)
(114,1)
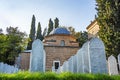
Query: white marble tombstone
(53,69)
(37,59)
(97,56)
(112,65)
(58,70)
(6,68)
(66,66)
(61,69)
(80,63)
(75,63)
(119,61)
(86,57)
(70,64)
(1,67)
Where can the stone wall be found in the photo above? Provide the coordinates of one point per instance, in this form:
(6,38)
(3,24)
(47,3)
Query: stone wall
(25,61)
(58,53)
(56,40)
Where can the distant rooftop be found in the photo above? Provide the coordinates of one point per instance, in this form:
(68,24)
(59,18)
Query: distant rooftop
(60,30)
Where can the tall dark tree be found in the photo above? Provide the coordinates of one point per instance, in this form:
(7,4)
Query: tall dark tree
(56,22)
(45,32)
(1,31)
(39,32)
(108,12)
(50,26)
(32,33)
(72,30)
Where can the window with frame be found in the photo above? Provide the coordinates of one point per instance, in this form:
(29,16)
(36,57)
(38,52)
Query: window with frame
(56,64)
(62,43)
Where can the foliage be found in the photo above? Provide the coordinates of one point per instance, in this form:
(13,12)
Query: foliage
(32,33)
(56,21)
(72,30)
(1,31)
(54,76)
(50,26)
(39,32)
(45,32)
(109,21)
(11,45)
(81,37)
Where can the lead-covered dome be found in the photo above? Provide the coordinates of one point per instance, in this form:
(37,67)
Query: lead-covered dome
(60,30)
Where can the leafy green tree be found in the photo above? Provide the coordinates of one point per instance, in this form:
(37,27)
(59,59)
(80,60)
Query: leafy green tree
(56,21)
(32,33)
(81,37)
(50,26)
(11,45)
(3,39)
(39,32)
(108,12)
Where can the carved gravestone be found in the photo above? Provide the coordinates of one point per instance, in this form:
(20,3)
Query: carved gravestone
(70,64)
(66,66)
(119,61)
(86,57)
(58,70)
(5,68)
(61,68)
(112,65)
(80,64)
(1,67)
(75,63)
(37,59)
(97,56)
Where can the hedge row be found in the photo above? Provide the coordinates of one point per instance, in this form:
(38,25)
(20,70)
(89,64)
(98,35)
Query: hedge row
(54,76)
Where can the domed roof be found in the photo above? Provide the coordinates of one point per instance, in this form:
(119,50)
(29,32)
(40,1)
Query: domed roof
(60,30)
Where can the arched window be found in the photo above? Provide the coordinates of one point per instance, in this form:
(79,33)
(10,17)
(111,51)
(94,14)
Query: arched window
(62,43)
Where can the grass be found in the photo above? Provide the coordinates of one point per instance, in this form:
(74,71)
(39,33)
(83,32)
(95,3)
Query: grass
(54,76)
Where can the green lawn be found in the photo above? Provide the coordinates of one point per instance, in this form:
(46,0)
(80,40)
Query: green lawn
(54,76)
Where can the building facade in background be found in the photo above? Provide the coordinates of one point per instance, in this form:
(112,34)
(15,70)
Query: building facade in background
(93,29)
(59,46)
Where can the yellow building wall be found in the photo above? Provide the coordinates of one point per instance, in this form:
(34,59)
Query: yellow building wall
(93,29)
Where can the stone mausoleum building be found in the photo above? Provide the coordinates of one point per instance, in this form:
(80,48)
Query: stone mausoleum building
(59,46)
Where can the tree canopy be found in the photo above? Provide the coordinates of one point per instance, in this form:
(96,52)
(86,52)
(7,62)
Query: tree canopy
(81,36)
(108,12)
(11,44)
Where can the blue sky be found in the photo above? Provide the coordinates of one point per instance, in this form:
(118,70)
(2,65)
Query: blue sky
(18,13)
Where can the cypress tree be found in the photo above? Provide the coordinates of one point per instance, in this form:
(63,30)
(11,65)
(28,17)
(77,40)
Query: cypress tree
(56,21)
(39,31)
(32,33)
(50,26)
(45,32)
(109,21)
